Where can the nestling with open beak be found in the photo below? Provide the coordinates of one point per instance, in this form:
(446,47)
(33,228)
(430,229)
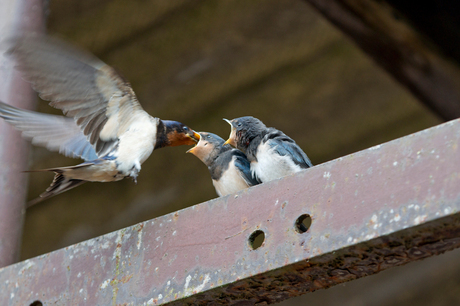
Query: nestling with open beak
(271,153)
(104,125)
(229,167)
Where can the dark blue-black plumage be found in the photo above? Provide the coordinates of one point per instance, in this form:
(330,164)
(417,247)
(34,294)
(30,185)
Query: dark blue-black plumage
(229,168)
(272,153)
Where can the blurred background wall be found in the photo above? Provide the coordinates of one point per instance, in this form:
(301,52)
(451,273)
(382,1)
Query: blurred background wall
(200,61)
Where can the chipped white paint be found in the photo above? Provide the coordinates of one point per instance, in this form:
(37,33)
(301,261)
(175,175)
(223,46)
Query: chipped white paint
(350,239)
(395,163)
(139,239)
(174,233)
(420,219)
(187,281)
(105,284)
(79,274)
(327,175)
(369,236)
(90,242)
(12,295)
(207,278)
(374,218)
(29,264)
(150,302)
(110,235)
(397,217)
(106,244)
(374,148)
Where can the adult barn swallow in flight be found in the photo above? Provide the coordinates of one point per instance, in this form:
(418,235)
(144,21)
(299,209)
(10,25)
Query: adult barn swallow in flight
(272,153)
(105,124)
(229,167)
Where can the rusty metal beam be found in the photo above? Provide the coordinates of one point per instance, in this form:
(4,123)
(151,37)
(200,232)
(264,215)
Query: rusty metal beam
(15,15)
(376,209)
(396,46)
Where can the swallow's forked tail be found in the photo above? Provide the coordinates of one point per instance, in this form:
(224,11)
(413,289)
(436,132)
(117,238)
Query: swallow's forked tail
(60,184)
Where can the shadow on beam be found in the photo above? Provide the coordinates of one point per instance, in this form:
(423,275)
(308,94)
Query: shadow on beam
(379,208)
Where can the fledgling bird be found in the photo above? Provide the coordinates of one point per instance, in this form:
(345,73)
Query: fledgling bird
(272,153)
(229,167)
(105,124)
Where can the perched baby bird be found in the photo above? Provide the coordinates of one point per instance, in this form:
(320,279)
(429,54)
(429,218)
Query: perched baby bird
(105,124)
(229,168)
(271,153)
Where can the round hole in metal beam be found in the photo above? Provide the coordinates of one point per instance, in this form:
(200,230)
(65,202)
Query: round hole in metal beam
(36,303)
(303,223)
(256,239)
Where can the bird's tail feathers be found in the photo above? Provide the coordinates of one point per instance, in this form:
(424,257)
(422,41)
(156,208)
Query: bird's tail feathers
(62,169)
(60,184)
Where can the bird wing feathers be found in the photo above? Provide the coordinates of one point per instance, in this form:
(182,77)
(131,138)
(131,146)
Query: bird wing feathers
(285,146)
(56,133)
(101,102)
(244,167)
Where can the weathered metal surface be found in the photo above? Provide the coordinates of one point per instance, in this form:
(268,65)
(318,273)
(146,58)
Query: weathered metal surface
(379,208)
(14,151)
(398,48)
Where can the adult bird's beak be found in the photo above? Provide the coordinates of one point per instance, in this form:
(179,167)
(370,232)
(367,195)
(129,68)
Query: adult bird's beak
(231,138)
(194,136)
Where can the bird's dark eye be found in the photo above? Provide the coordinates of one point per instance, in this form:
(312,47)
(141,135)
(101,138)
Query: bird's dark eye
(185,128)
(239,124)
(205,144)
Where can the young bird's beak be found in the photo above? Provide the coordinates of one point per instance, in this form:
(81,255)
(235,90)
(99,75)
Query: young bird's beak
(231,138)
(196,137)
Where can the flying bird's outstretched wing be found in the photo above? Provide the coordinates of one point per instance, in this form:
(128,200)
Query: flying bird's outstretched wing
(100,101)
(56,133)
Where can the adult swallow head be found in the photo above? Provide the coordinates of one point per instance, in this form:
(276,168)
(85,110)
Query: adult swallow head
(174,133)
(272,153)
(229,168)
(105,124)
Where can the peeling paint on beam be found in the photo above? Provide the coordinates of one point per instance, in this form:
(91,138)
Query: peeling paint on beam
(372,210)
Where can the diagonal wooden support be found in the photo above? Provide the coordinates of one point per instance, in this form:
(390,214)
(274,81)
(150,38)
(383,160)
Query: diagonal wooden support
(379,208)
(400,49)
